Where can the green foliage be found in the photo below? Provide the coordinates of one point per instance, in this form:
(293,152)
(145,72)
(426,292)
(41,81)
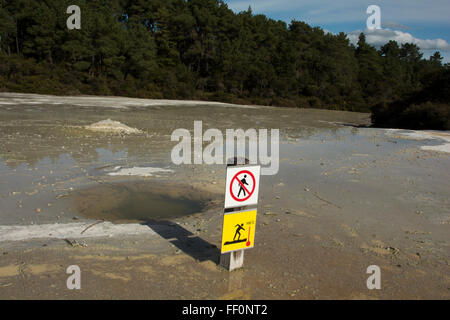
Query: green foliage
(428,108)
(426,116)
(200,49)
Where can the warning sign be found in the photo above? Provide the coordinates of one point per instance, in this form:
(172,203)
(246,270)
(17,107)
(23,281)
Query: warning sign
(238,231)
(242,186)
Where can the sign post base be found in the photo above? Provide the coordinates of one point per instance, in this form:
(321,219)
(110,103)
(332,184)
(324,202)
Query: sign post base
(232,260)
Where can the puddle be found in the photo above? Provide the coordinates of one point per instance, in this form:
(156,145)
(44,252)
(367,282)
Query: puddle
(139,202)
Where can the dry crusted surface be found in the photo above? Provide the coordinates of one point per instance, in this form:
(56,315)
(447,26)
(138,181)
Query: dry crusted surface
(345,198)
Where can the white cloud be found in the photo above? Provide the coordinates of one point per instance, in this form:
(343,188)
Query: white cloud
(379,37)
(394,25)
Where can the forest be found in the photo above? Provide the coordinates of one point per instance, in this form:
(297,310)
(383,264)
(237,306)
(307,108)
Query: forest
(200,49)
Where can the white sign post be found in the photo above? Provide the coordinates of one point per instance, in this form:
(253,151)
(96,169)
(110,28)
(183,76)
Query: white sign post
(241,191)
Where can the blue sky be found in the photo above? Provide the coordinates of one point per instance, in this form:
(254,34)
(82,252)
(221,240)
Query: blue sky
(426,23)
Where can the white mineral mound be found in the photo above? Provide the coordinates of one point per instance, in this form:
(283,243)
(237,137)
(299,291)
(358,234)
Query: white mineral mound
(111,126)
(424,135)
(138,171)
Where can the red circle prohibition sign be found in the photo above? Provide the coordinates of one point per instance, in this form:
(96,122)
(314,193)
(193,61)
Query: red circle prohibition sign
(242,185)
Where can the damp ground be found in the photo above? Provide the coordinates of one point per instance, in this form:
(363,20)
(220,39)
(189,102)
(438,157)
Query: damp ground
(140,202)
(346,197)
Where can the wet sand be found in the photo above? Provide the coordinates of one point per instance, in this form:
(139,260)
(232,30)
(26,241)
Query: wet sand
(345,198)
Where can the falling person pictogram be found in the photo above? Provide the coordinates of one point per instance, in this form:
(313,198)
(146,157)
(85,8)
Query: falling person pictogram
(237,234)
(239,228)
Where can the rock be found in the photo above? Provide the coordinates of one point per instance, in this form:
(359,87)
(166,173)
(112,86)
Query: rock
(75,243)
(32,193)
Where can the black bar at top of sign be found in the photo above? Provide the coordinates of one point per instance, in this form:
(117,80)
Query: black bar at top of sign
(232,162)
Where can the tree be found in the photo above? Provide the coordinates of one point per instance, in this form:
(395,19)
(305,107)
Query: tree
(370,70)
(201,49)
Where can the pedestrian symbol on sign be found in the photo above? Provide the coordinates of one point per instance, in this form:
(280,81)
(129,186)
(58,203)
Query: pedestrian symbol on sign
(240,185)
